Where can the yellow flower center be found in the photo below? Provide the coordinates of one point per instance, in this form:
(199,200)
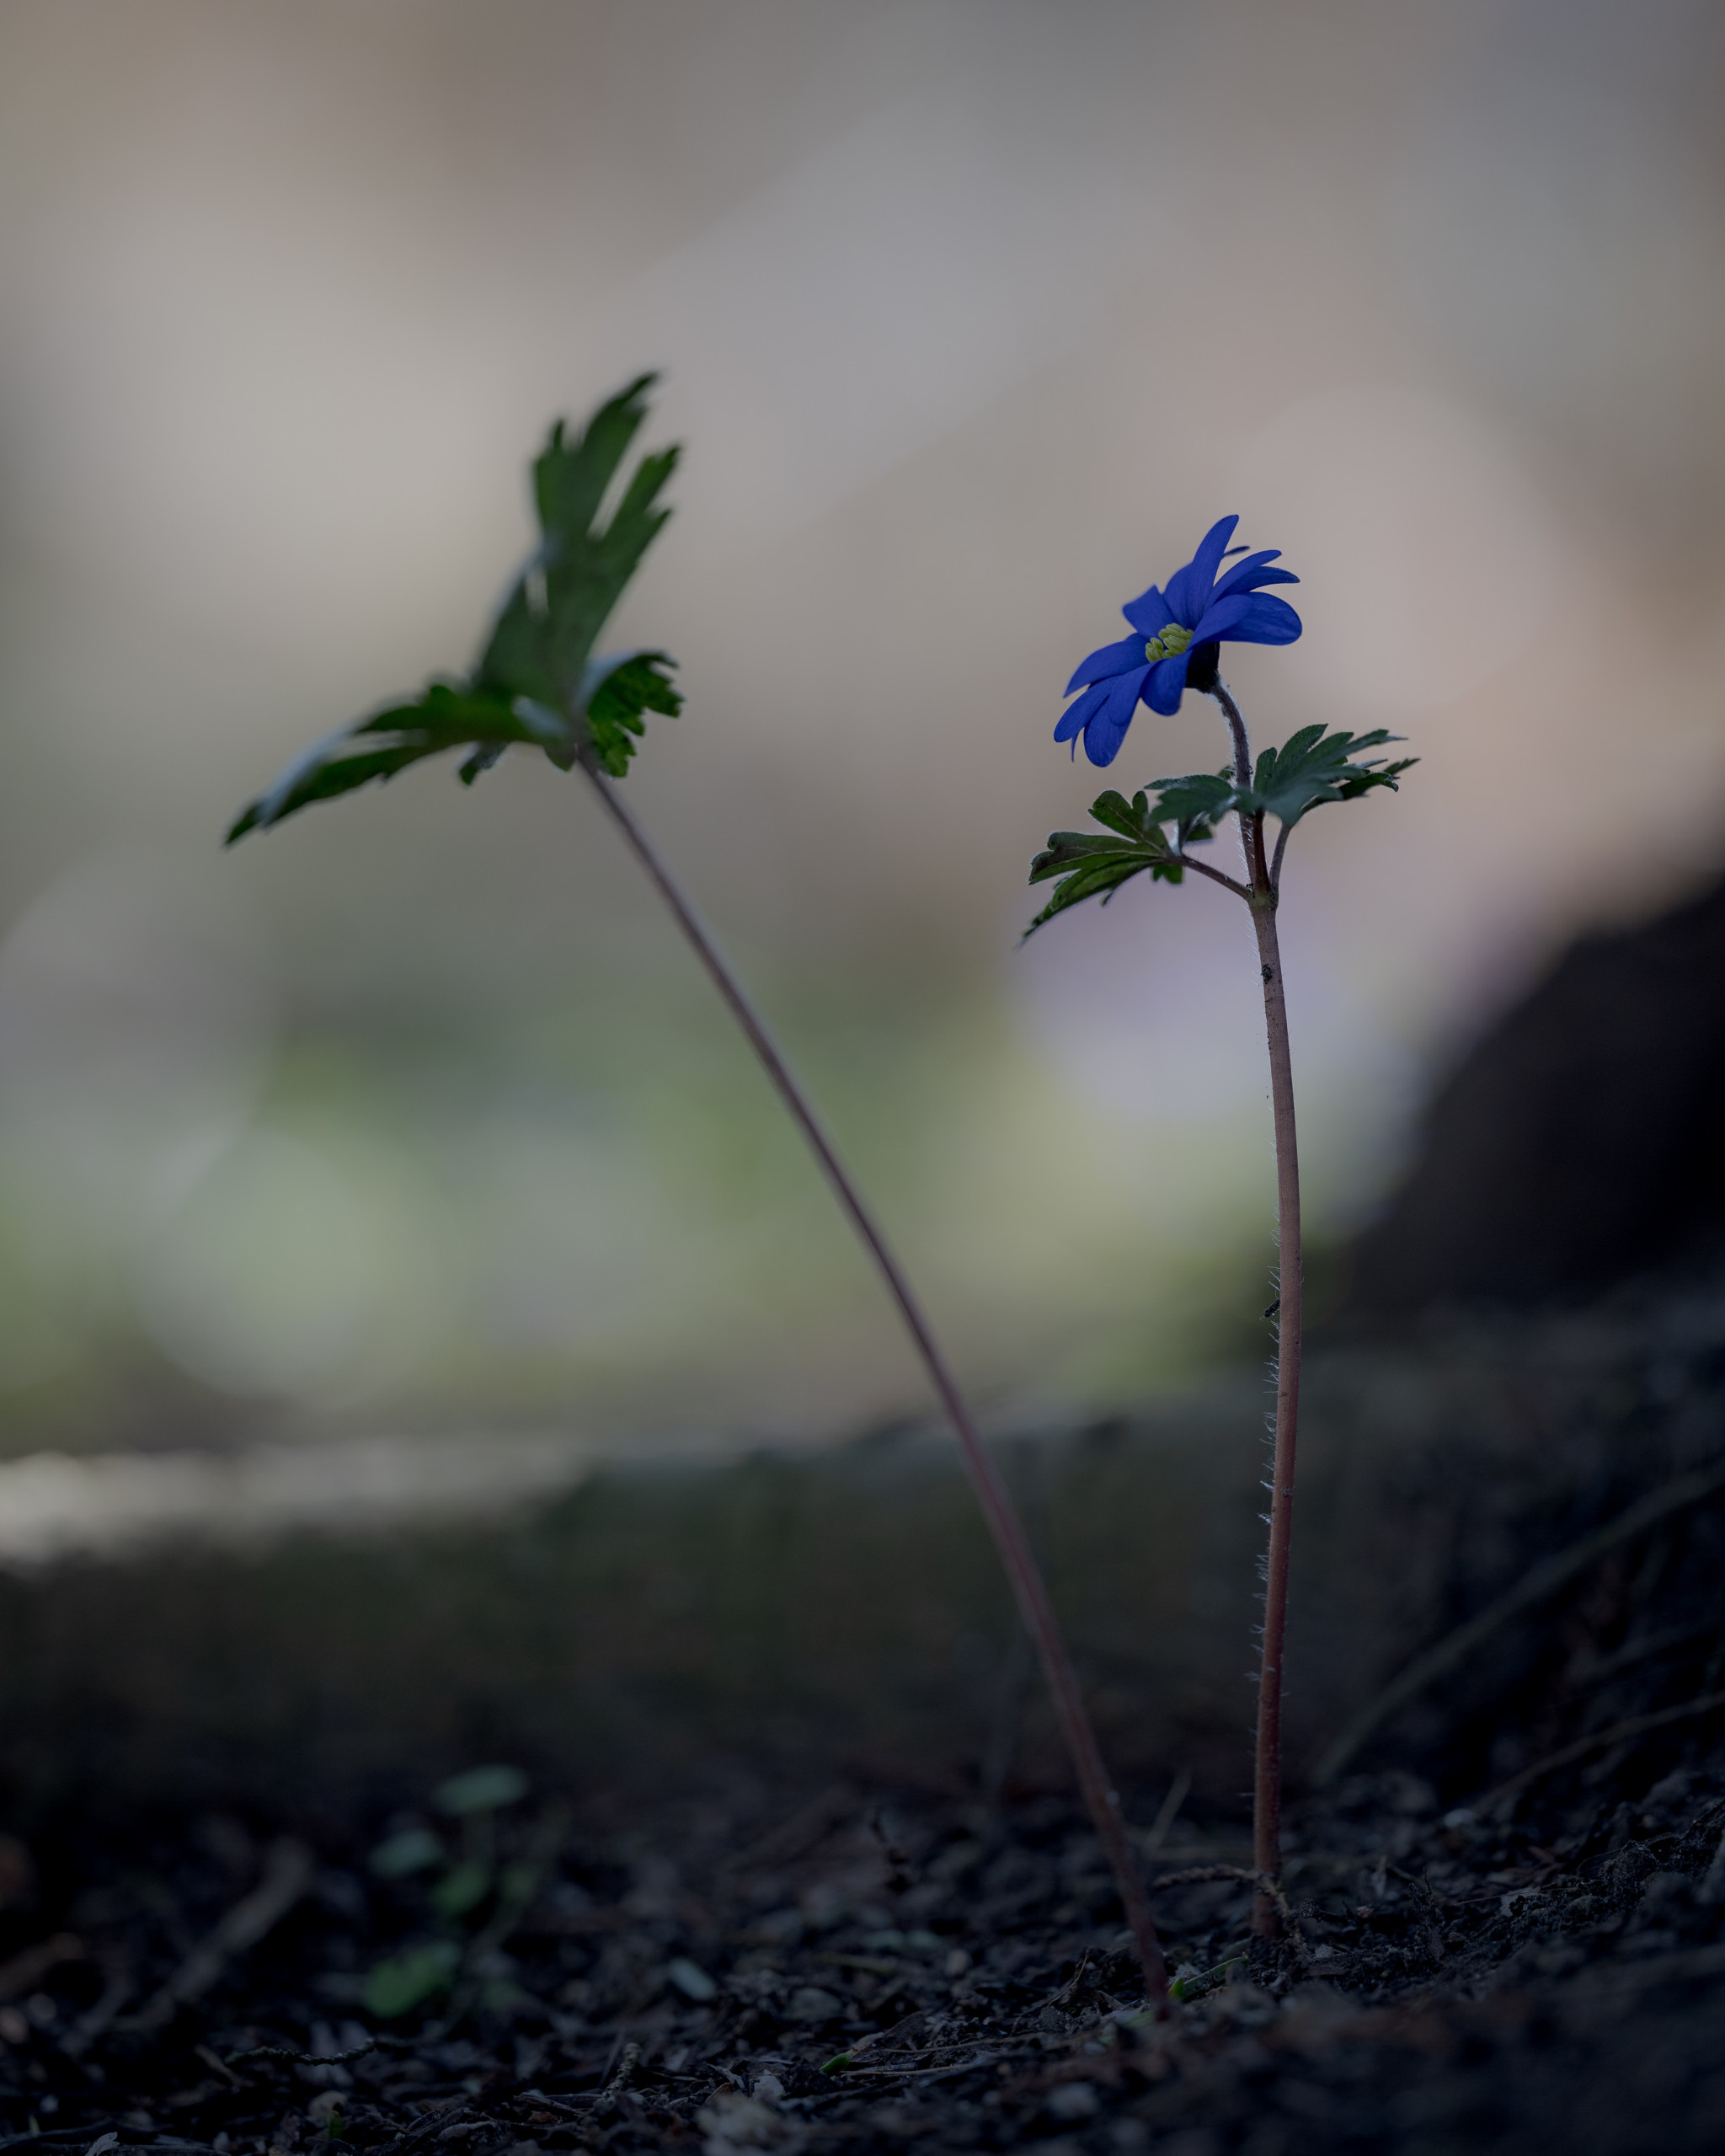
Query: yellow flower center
(1172,641)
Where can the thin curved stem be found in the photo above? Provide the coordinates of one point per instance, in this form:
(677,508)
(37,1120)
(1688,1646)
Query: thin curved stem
(1004,1525)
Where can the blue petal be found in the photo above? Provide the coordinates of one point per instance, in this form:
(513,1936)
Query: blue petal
(1218,619)
(1247,575)
(1112,658)
(1106,729)
(1149,613)
(1190,588)
(1212,546)
(1265,621)
(1168,684)
(1076,716)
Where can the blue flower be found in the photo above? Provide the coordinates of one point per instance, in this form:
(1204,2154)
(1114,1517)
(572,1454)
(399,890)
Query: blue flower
(1174,631)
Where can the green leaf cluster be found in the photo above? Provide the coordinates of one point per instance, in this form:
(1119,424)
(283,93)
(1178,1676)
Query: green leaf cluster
(1310,769)
(537,683)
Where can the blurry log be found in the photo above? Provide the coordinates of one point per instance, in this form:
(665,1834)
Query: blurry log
(841,1613)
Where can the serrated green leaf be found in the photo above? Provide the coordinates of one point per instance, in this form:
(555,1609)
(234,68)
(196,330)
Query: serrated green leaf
(1101,880)
(1194,805)
(537,683)
(1131,819)
(569,477)
(1312,768)
(551,620)
(1095,866)
(1070,849)
(337,771)
(622,689)
(402,734)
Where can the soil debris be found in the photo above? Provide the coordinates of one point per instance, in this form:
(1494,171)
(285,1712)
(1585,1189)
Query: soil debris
(872,1970)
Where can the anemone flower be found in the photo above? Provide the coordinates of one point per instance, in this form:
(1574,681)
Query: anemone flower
(1174,642)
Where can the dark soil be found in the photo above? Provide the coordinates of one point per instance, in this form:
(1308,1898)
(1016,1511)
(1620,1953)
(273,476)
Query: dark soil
(869,1971)
(1524,1953)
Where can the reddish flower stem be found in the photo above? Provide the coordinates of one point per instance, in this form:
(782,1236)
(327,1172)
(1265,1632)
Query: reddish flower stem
(1266,1768)
(1266,1772)
(1010,1539)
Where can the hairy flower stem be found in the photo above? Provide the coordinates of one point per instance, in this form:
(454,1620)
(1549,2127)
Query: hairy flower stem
(1266,1772)
(1004,1524)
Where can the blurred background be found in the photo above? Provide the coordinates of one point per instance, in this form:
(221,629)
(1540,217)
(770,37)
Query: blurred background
(414,1115)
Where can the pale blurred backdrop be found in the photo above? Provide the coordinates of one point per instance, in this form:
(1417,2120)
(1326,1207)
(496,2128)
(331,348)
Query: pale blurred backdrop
(414,1114)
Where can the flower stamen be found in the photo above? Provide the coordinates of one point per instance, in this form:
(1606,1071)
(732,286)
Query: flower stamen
(1172,641)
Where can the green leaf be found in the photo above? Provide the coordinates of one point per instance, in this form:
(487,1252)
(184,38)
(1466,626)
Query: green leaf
(549,622)
(1094,867)
(537,683)
(1199,1981)
(415,1849)
(462,1887)
(1195,804)
(320,776)
(388,741)
(480,1789)
(622,689)
(405,1981)
(1130,819)
(691,1980)
(1312,768)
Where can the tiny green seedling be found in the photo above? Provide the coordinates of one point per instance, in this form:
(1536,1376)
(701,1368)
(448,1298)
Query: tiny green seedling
(464,1878)
(539,686)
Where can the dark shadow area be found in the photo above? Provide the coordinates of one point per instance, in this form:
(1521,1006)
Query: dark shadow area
(1581,1140)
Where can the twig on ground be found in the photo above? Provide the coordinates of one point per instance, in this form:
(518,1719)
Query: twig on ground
(795,1836)
(1534,1587)
(288,1868)
(1619,1733)
(25,1971)
(1163,1823)
(1205,1874)
(280,2054)
(94,2020)
(627,2067)
(54,2133)
(886,2040)
(930,2073)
